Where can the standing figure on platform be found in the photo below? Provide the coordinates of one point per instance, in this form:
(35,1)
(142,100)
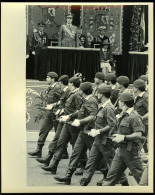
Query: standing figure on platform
(39,40)
(68,36)
(106,57)
(101,37)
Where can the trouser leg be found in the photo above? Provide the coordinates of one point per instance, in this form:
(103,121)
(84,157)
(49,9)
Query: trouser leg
(91,163)
(77,151)
(53,143)
(144,178)
(134,163)
(116,170)
(62,142)
(46,127)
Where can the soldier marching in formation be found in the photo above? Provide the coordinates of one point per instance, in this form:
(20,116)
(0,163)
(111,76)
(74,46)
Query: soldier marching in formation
(108,118)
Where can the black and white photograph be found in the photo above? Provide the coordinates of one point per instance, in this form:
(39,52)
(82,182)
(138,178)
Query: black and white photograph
(77,97)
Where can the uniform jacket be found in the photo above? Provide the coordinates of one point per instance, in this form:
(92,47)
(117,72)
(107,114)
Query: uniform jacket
(68,36)
(36,45)
(141,106)
(53,94)
(89,107)
(73,102)
(130,123)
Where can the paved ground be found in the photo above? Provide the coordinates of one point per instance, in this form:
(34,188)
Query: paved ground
(38,177)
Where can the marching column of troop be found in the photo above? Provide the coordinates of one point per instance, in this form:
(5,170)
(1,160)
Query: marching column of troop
(106,123)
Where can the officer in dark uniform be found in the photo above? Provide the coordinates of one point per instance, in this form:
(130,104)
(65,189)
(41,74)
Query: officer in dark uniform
(99,79)
(101,37)
(129,132)
(68,132)
(85,121)
(63,80)
(53,94)
(104,121)
(110,79)
(39,40)
(141,105)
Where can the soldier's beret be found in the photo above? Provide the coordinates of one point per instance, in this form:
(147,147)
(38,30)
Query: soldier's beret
(41,24)
(125,97)
(103,88)
(102,28)
(62,77)
(110,77)
(52,74)
(144,77)
(123,80)
(139,83)
(72,79)
(85,85)
(100,75)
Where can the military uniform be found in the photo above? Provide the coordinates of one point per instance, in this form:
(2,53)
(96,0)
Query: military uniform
(53,94)
(102,144)
(68,132)
(141,106)
(68,36)
(39,41)
(100,76)
(127,154)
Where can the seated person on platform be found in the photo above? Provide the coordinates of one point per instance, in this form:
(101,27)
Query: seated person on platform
(106,57)
(101,37)
(68,36)
(39,40)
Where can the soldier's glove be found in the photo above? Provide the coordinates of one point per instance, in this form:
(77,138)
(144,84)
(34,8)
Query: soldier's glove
(34,53)
(118,138)
(49,107)
(27,56)
(59,111)
(64,118)
(94,132)
(76,123)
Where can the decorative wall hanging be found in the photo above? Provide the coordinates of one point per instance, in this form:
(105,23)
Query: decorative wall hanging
(109,16)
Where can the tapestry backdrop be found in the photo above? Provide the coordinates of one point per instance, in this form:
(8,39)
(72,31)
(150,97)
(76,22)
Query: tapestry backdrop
(88,17)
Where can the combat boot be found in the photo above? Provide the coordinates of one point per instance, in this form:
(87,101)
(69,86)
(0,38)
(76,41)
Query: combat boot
(37,152)
(52,167)
(84,182)
(46,160)
(80,171)
(66,179)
